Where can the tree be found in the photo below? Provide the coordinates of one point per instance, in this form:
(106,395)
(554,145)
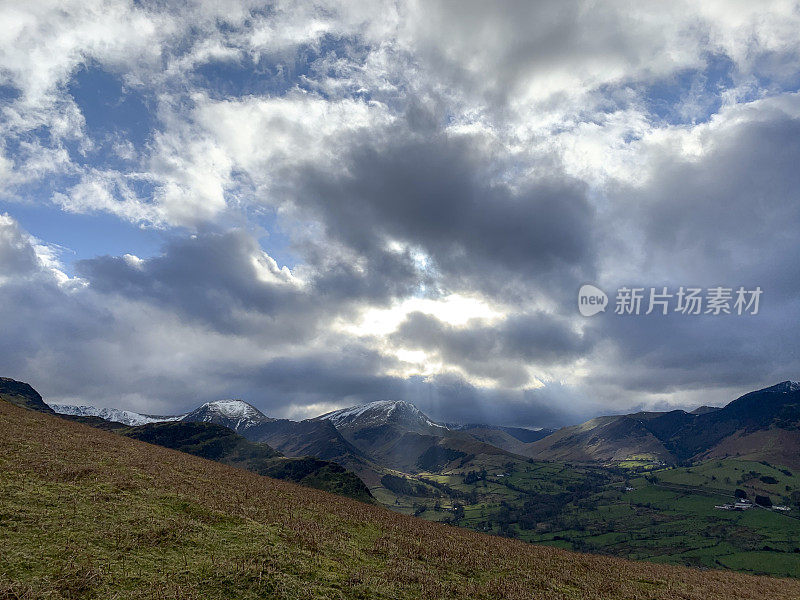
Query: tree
(739,493)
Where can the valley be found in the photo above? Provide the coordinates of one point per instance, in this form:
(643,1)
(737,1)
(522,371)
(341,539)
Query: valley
(667,515)
(626,491)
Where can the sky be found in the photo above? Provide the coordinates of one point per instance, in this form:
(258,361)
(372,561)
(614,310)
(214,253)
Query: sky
(311,205)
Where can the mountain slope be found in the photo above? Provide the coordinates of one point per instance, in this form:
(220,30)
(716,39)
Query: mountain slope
(221,444)
(304,438)
(701,410)
(762,425)
(90,514)
(775,446)
(398,435)
(314,438)
(773,408)
(522,434)
(511,439)
(603,439)
(22,395)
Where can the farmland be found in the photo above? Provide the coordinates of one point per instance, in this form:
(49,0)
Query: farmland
(668,516)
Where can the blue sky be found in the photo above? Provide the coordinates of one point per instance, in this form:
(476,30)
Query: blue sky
(321,204)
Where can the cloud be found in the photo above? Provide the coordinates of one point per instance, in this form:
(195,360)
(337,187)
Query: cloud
(725,216)
(523,52)
(17,254)
(407,160)
(213,316)
(437,195)
(511,352)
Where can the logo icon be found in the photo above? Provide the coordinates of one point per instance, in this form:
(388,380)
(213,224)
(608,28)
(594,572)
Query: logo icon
(591,300)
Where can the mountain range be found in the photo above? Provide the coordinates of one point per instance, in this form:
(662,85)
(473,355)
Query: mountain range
(367,439)
(761,425)
(204,438)
(395,435)
(618,474)
(126,417)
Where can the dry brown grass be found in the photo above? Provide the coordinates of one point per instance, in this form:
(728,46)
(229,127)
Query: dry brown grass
(88,514)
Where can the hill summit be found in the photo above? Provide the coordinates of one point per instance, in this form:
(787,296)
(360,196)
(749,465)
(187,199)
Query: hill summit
(23,395)
(234,414)
(382,412)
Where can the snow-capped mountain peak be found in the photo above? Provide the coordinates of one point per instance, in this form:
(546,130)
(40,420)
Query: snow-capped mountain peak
(125,417)
(784,386)
(379,413)
(235,414)
(234,408)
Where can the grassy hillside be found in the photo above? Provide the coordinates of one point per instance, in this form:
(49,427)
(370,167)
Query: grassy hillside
(216,442)
(774,445)
(611,439)
(85,513)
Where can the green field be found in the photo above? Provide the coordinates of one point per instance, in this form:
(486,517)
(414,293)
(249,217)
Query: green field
(668,516)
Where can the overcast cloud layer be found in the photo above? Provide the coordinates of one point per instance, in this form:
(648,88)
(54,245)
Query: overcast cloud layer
(310,205)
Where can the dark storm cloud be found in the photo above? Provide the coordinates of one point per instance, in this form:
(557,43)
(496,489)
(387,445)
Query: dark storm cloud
(210,278)
(731,218)
(46,328)
(346,375)
(498,350)
(662,354)
(448,397)
(736,211)
(443,195)
(39,319)
(376,276)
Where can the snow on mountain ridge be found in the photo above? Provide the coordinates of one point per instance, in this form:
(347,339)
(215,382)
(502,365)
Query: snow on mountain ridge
(126,417)
(783,386)
(235,414)
(234,408)
(380,410)
(238,414)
